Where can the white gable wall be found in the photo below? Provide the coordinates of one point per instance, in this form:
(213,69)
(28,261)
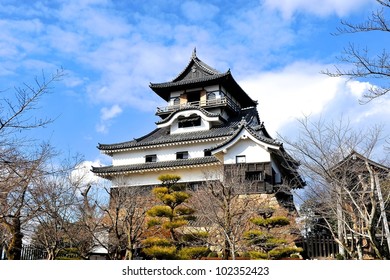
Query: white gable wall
(251,150)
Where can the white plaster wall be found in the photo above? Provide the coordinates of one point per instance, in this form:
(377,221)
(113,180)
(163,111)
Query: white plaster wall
(246,147)
(204,125)
(187,175)
(163,153)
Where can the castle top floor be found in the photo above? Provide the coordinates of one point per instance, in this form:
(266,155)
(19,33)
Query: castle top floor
(202,86)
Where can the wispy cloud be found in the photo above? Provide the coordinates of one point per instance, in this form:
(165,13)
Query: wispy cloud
(114,49)
(106,115)
(109,113)
(299,89)
(319,8)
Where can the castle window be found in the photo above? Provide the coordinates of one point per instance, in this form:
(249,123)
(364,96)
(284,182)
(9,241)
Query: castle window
(240,159)
(193,96)
(182,155)
(189,122)
(150,158)
(254,176)
(193,186)
(211,96)
(207,153)
(175,101)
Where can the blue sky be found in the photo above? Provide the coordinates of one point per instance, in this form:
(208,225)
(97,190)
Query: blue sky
(112,50)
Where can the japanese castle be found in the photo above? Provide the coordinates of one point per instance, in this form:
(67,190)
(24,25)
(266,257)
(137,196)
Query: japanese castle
(207,124)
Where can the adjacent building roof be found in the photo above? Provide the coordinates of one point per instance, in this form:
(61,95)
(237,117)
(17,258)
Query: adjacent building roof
(355,159)
(199,74)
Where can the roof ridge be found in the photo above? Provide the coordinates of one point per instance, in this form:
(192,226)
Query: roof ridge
(202,65)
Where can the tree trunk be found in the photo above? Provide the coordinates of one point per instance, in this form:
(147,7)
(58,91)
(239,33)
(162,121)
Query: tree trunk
(129,248)
(14,250)
(340,223)
(383,213)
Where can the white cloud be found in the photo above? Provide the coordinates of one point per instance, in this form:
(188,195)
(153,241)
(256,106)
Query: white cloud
(316,7)
(82,174)
(290,93)
(106,115)
(299,89)
(109,113)
(357,88)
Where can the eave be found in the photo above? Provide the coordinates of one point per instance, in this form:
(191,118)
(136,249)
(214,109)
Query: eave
(225,79)
(143,146)
(109,171)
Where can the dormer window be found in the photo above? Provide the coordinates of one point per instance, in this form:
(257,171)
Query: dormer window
(175,101)
(182,155)
(150,158)
(193,120)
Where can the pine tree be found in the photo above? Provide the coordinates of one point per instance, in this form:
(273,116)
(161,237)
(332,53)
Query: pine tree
(172,216)
(267,242)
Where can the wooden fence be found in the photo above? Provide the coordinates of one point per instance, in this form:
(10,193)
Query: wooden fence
(318,246)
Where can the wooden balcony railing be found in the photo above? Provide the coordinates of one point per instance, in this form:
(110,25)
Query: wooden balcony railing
(217,102)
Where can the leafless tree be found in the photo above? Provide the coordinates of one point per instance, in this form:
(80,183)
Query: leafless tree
(18,178)
(342,191)
(365,64)
(57,198)
(118,223)
(21,160)
(225,207)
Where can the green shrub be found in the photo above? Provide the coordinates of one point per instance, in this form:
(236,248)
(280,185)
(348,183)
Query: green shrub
(160,211)
(213,254)
(153,222)
(156,241)
(190,253)
(284,252)
(271,222)
(194,236)
(256,255)
(161,252)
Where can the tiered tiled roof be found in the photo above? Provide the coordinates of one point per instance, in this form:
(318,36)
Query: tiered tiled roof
(199,74)
(162,137)
(155,166)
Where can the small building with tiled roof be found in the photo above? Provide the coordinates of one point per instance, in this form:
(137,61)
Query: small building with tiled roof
(208,123)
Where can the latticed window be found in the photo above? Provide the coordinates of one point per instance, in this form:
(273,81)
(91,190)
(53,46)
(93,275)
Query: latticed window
(254,176)
(189,122)
(150,158)
(182,155)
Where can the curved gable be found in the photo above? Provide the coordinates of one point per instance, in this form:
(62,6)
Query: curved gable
(245,141)
(180,119)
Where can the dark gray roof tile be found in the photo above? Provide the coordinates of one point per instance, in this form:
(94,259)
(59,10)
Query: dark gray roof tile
(108,170)
(161,136)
